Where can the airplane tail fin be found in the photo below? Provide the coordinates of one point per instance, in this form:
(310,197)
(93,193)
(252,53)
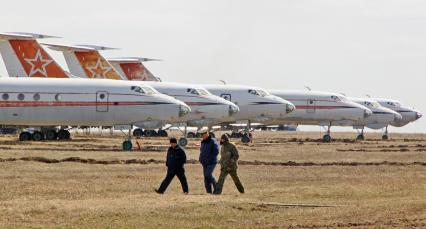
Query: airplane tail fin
(86,61)
(133,68)
(25,57)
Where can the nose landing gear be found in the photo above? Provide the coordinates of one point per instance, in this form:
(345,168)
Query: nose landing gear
(361,137)
(385,136)
(327,137)
(127,144)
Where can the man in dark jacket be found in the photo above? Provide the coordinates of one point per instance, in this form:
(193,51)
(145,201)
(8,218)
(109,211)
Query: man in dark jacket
(208,158)
(176,158)
(228,162)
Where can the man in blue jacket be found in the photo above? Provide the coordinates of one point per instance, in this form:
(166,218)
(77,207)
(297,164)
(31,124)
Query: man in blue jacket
(208,158)
(176,158)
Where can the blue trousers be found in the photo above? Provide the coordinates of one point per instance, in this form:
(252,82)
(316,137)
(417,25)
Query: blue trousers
(209,180)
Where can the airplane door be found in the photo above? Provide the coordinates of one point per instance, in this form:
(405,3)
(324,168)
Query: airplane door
(311,106)
(102,101)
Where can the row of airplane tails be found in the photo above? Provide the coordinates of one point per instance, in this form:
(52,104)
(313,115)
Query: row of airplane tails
(123,93)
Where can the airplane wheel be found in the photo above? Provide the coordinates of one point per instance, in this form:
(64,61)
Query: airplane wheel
(138,133)
(150,133)
(64,135)
(198,135)
(51,135)
(183,142)
(162,133)
(385,137)
(236,135)
(37,136)
(127,145)
(326,138)
(360,137)
(212,135)
(245,139)
(24,136)
(190,135)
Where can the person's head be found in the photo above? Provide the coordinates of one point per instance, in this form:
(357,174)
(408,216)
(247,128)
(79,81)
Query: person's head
(224,139)
(204,134)
(173,142)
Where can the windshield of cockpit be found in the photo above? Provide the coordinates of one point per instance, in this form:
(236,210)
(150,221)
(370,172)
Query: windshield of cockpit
(198,91)
(144,90)
(338,98)
(372,104)
(394,104)
(258,92)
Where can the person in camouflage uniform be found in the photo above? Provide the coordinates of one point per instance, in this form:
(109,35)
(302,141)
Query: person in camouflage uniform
(228,162)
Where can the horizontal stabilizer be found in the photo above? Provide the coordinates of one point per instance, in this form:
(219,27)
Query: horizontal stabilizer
(131,59)
(23,36)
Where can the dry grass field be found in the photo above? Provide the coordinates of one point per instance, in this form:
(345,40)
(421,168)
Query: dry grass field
(291,180)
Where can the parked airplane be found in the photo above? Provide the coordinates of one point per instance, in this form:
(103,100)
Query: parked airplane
(408,114)
(321,108)
(82,102)
(381,118)
(207,109)
(24,57)
(256,104)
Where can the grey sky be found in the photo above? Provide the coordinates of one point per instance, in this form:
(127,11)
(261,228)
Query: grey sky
(354,47)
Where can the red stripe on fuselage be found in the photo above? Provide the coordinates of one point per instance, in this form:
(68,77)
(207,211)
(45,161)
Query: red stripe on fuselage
(68,104)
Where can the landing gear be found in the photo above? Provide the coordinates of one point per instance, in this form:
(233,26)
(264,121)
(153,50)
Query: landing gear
(162,133)
(24,136)
(64,135)
(246,137)
(385,136)
(51,135)
(361,137)
(37,136)
(127,144)
(138,133)
(150,133)
(191,135)
(183,141)
(327,137)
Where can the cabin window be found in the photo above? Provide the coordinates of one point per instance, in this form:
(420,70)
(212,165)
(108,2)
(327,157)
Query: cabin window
(5,96)
(58,97)
(21,96)
(36,96)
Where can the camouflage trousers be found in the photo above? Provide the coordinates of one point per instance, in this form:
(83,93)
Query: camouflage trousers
(221,181)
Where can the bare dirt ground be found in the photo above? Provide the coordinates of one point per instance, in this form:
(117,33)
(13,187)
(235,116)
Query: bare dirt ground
(291,180)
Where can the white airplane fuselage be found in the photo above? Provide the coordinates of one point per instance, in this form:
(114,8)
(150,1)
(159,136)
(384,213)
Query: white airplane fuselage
(206,109)
(321,108)
(381,117)
(75,102)
(408,114)
(256,105)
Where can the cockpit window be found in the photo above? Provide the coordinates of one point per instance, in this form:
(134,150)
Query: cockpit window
(372,104)
(144,90)
(203,92)
(258,92)
(336,98)
(394,104)
(193,91)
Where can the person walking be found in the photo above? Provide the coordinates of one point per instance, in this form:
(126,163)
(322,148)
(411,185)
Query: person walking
(229,164)
(176,158)
(208,158)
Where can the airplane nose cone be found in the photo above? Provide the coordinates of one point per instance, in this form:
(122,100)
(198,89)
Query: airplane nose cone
(397,117)
(367,113)
(289,108)
(184,110)
(418,115)
(233,109)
